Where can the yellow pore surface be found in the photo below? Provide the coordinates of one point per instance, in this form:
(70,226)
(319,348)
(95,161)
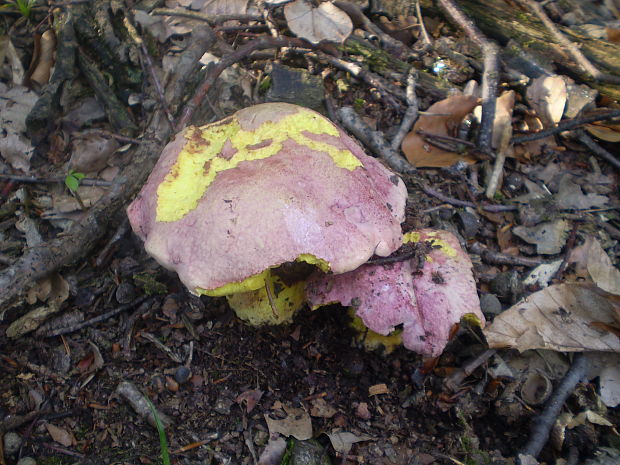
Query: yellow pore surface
(198,163)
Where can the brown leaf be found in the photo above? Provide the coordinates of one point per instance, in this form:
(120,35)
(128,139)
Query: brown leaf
(558,318)
(60,435)
(326,22)
(443,119)
(43,58)
(320,408)
(608,132)
(592,262)
(547,95)
(251,398)
(297,424)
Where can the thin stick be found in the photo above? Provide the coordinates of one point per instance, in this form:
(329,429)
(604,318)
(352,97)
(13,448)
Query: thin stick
(33,180)
(411,114)
(453,382)
(211,20)
(574,51)
(490,74)
(597,149)
(387,90)
(542,425)
(464,203)
(497,258)
(150,67)
(144,300)
(566,125)
(425,37)
(230,59)
(374,140)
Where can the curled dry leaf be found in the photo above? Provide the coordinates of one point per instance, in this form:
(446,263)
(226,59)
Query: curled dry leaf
(561,317)
(442,119)
(60,435)
(43,58)
(502,124)
(608,132)
(342,441)
(325,22)
(297,424)
(547,96)
(594,264)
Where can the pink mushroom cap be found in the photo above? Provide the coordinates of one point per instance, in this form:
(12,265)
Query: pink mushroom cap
(271,184)
(426,302)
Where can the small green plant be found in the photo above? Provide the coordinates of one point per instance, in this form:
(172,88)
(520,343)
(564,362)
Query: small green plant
(358,104)
(23,6)
(72,180)
(163,443)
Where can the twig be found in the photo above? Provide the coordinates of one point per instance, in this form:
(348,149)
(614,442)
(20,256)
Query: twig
(387,90)
(498,258)
(149,66)
(211,20)
(490,74)
(104,254)
(498,169)
(357,15)
(425,37)
(144,300)
(464,203)
(161,346)
(566,125)
(215,70)
(374,140)
(570,47)
(453,382)
(119,137)
(411,114)
(597,149)
(436,139)
(33,180)
(542,425)
(570,244)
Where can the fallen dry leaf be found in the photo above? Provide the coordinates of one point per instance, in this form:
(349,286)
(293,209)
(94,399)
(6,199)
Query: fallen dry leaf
(377,389)
(570,196)
(592,262)
(502,123)
(321,409)
(442,119)
(559,318)
(60,435)
(548,237)
(547,96)
(221,7)
(342,441)
(43,58)
(606,367)
(251,398)
(608,132)
(297,424)
(325,22)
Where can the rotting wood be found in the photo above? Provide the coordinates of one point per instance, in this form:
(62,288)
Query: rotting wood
(503,22)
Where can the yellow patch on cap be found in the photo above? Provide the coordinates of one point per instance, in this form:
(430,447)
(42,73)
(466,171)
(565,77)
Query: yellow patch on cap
(444,247)
(198,163)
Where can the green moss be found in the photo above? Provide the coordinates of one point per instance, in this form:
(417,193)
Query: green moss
(149,284)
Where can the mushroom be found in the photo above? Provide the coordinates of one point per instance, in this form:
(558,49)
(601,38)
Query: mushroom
(230,202)
(426,301)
